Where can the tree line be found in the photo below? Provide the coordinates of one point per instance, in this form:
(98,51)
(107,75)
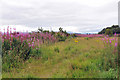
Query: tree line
(110,30)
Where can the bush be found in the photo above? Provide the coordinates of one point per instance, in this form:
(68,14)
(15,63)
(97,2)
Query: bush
(61,36)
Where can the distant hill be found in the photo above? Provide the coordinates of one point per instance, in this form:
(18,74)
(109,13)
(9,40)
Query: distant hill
(70,32)
(114,28)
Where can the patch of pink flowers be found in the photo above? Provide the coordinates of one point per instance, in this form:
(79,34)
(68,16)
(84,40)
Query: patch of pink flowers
(33,39)
(108,41)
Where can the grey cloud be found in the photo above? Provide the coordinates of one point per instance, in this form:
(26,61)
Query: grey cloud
(50,13)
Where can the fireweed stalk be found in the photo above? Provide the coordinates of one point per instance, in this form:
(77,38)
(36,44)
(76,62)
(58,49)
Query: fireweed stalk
(19,46)
(110,44)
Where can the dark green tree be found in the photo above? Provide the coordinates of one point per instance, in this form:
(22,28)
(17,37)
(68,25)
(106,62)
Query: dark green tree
(60,29)
(45,31)
(114,28)
(108,32)
(52,32)
(40,29)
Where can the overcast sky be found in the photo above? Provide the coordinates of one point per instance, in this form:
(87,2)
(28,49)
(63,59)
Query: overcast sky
(72,15)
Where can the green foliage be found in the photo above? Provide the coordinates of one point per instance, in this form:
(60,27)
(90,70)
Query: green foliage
(86,38)
(109,74)
(58,76)
(46,54)
(6,45)
(36,53)
(77,73)
(52,33)
(68,48)
(114,29)
(30,77)
(19,53)
(40,29)
(60,29)
(56,49)
(46,31)
(10,61)
(61,36)
(108,32)
(85,63)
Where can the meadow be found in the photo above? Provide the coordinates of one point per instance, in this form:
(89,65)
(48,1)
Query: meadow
(48,55)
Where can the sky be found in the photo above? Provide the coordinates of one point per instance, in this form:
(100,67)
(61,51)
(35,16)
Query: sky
(78,16)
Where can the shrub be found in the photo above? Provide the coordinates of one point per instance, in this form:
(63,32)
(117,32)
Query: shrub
(61,36)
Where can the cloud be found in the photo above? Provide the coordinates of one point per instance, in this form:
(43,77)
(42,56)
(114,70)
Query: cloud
(72,15)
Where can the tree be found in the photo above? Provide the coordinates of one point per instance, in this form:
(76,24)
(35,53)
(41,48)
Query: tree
(61,29)
(108,32)
(52,32)
(114,28)
(40,29)
(45,31)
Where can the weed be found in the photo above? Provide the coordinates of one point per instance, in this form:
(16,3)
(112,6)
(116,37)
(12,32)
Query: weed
(56,49)
(86,38)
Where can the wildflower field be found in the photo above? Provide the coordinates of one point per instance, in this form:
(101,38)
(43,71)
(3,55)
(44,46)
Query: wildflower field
(58,55)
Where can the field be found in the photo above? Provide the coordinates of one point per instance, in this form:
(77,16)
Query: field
(76,57)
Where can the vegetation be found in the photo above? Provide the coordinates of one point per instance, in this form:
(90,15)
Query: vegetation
(58,55)
(114,29)
(108,32)
(68,60)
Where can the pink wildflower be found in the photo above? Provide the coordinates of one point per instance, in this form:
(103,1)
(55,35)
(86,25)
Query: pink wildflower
(107,41)
(10,48)
(115,34)
(14,28)
(115,44)
(110,41)
(29,45)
